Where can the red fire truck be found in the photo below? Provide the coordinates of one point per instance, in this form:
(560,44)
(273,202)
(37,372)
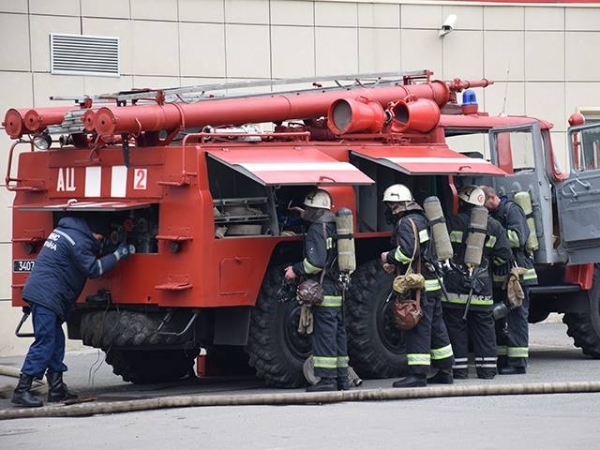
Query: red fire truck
(200,181)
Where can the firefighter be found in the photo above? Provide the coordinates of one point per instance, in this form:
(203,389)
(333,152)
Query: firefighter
(512,331)
(67,259)
(427,343)
(468,306)
(330,354)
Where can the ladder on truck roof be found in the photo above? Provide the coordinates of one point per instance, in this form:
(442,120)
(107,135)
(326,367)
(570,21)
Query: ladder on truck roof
(213,91)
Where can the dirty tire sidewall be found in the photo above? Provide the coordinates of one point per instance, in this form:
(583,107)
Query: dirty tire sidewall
(375,346)
(276,350)
(152,366)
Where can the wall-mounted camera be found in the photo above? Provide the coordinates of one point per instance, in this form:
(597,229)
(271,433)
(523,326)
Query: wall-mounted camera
(448,25)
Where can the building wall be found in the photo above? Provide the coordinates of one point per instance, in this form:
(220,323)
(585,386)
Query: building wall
(541,57)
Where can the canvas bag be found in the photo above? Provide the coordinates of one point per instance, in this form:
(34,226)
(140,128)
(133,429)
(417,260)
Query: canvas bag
(407,311)
(310,292)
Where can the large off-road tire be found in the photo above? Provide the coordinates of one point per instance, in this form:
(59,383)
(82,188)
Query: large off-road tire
(127,338)
(276,350)
(375,346)
(152,366)
(106,329)
(584,328)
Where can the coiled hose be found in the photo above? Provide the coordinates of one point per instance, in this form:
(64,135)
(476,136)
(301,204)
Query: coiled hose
(297,398)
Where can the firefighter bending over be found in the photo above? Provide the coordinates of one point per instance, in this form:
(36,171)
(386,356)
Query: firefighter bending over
(67,259)
(330,354)
(427,343)
(512,331)
(468,307)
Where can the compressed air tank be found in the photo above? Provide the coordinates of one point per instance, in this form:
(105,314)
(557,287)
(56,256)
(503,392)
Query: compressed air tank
(345,240)
(441,238)
(523,199)
(476,237)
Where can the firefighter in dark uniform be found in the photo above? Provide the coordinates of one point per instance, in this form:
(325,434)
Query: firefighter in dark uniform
(512,332)
(67,259)
(473,289)
(427,343)
(330,354)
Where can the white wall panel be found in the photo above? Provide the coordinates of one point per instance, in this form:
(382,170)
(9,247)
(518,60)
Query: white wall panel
(284,12)
(581,49)
(293,51)
(55,7)
(201,11)
(506,18)
(546,101)
(378,16)
(421,16)
(248,51)
(582,19)
(162,10)
(544,19)
(503,55)
(41,27)
(17,6)
(337,51)
(247,11)
(426,55)
(202,49)
(162,57)
(115,28)
(544,56)
(336,14)
(461,63)
(14,29)
(503,98)
(379,50)
(105,9)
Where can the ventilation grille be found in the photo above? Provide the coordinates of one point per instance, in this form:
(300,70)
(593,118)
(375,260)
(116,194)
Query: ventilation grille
(84,55)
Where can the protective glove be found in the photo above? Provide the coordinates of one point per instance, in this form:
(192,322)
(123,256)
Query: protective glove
(121,252)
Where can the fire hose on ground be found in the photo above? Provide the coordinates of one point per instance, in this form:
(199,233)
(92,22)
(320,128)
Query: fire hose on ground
(298,398)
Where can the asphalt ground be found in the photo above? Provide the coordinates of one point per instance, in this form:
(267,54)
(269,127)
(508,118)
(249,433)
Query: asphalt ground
(553,358)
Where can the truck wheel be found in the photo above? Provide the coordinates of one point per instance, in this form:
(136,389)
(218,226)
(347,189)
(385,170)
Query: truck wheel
(375,346)
(106,329)
(584,328)
(152,366)
(276,349)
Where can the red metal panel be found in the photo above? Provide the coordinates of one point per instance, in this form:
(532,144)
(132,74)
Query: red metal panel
(428,160)
(83,206)
(290,166)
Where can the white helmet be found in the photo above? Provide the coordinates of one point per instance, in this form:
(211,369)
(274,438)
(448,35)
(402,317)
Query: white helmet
(397,193)
(318,199)
(473,195)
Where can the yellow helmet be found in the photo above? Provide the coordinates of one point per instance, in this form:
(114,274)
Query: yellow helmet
(473,195)
(318,198)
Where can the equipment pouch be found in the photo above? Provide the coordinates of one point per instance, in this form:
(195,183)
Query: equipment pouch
(407,312)
(310,292)
(403,283)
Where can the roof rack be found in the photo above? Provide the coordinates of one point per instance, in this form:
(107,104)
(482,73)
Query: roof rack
(214,90)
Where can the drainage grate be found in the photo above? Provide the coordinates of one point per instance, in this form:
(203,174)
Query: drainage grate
(73,54)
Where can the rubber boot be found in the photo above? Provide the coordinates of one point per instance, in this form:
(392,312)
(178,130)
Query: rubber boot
(411,381)
(512,370)
(324,385)
(22,395)
(57,389)
(343,384)
(443,376)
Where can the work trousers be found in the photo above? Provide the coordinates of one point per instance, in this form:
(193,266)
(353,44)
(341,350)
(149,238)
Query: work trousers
(512,332)
(428,342)
(479,328)
(330,351)
(48,348)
